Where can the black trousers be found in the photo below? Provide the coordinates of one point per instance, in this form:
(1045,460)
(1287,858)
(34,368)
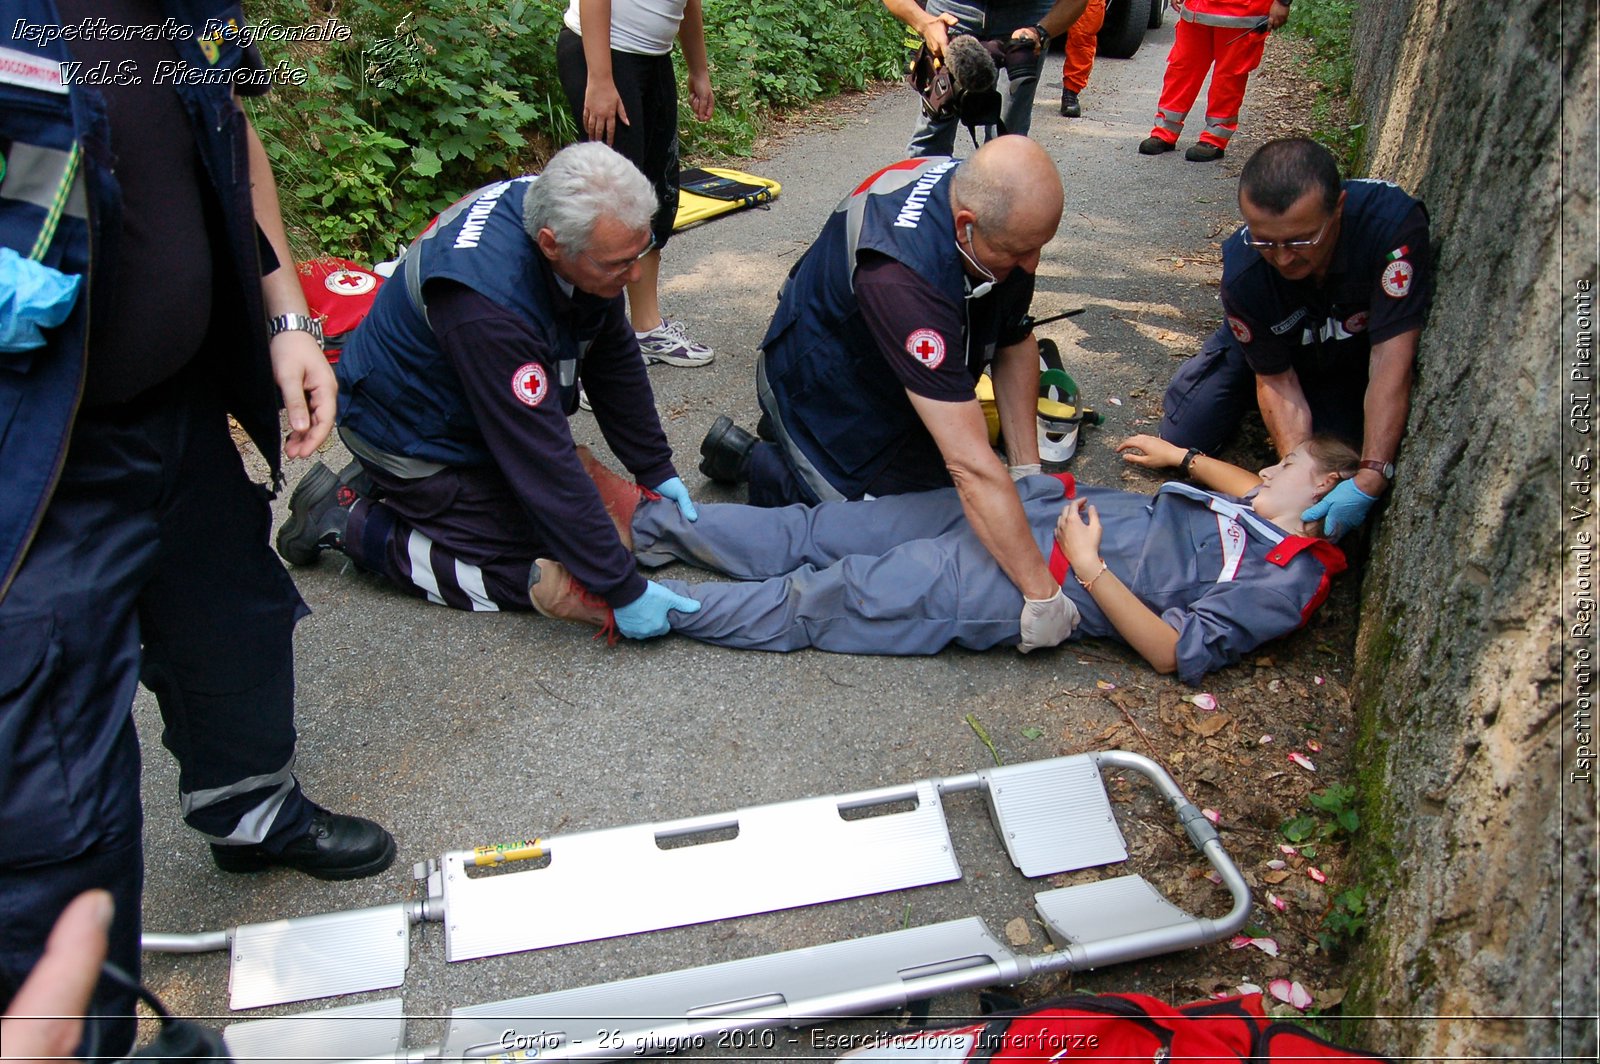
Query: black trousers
(649,92)
(151,565)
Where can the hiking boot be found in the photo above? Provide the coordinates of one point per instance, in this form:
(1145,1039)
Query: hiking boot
(1203,153)
(725,452)
(1154,145)
(319,510)
(669,342)
(1070,108)
(619,495)
(554,593)
(334,847)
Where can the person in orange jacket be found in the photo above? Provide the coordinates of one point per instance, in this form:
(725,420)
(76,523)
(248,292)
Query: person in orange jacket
(1082,39)
(1230,34)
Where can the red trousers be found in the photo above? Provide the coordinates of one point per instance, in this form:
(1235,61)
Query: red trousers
(1196,47)
(1081,45)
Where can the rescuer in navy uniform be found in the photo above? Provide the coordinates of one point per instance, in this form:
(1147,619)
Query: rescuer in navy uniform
(133,545)
(920,280)
(456,389)
(1324,290)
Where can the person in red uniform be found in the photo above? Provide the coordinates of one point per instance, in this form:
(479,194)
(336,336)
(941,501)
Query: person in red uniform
(1227,34)
(1083,37)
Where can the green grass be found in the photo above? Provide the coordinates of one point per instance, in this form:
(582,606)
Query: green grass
(1326,24)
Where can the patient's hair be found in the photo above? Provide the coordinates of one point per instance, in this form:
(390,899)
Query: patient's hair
(1330,454)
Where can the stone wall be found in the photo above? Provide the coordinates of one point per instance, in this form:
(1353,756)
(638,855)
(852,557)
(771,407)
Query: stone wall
(1478,844)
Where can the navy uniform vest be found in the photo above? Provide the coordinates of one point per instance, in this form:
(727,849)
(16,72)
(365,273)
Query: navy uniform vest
(837,397)
(41,120)
(397,390)
(1328,328)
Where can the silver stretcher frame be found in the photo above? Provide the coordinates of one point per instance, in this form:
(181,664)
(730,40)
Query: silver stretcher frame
(1052,816)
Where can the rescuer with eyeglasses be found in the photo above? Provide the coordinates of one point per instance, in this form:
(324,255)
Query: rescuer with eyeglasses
(1324,292)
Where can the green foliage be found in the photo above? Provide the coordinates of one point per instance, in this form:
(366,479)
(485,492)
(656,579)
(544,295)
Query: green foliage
(425,101)
(429,99)
(1345,921)
(1326,24)
(1335,815)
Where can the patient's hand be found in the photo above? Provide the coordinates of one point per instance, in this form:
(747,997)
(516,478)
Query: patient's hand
(1152,452)
(1078,533)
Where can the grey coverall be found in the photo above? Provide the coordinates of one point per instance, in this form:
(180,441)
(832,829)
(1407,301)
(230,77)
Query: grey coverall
(906,574)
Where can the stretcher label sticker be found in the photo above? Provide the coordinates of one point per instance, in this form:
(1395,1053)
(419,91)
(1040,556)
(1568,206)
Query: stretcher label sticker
(530,384)
(926,346)
(1241,331)
(1397,278)
(350,282)
(1356,322)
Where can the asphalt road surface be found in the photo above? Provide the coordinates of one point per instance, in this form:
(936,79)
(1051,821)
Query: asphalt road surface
(458,729)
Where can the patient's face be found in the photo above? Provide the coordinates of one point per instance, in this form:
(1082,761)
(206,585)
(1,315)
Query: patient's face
(1289,487)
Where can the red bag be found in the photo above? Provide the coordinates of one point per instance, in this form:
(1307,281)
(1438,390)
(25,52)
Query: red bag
(339,293)
(1110,1027)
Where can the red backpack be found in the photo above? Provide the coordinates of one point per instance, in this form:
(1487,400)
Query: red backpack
(1127,1027)
(339,293)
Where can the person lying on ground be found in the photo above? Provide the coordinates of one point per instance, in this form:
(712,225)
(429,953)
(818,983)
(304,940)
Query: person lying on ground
(1192,579)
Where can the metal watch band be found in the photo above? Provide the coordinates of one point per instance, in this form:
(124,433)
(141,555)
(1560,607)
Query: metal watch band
(294,323)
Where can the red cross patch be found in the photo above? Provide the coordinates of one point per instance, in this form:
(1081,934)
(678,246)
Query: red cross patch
(1356,322)
(1397,278)
(530,384)
(350,282)
(1241,331)
(926,346)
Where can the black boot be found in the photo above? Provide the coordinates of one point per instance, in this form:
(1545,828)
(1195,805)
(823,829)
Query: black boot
(319,510)
(725,452)
(334,847)
(1070,107)
(1154,145)
(1203,153)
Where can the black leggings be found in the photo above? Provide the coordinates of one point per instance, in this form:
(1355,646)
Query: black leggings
(649,91)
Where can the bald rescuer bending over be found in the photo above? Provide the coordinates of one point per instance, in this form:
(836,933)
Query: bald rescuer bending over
(920,281)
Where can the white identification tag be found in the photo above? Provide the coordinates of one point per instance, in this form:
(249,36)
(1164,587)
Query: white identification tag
(30,71)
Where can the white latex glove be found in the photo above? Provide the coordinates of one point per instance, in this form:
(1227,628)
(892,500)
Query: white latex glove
(1047,622)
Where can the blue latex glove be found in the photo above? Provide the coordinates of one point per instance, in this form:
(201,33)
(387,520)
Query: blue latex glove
(675,490)
(33,297)
(1342,509)
(646,616)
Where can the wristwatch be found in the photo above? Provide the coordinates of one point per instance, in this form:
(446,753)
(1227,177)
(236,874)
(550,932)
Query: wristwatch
(1188,460)
(1383,469)
(1044,38)
(295,323)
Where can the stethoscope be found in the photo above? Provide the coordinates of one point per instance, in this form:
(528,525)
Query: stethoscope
(983,289)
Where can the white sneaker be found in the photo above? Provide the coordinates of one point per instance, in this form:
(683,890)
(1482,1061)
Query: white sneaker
(669,342)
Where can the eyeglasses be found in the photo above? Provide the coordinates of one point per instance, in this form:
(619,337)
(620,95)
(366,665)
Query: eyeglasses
(616,269)
(1288,245)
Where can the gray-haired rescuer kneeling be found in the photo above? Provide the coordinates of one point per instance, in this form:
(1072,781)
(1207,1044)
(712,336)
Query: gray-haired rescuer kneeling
(1192,579)
(454,395)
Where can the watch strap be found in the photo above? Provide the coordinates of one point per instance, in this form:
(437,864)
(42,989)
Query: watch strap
(1383,469)
(294,323)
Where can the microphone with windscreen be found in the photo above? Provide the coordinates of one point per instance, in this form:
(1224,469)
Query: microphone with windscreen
(961,86)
